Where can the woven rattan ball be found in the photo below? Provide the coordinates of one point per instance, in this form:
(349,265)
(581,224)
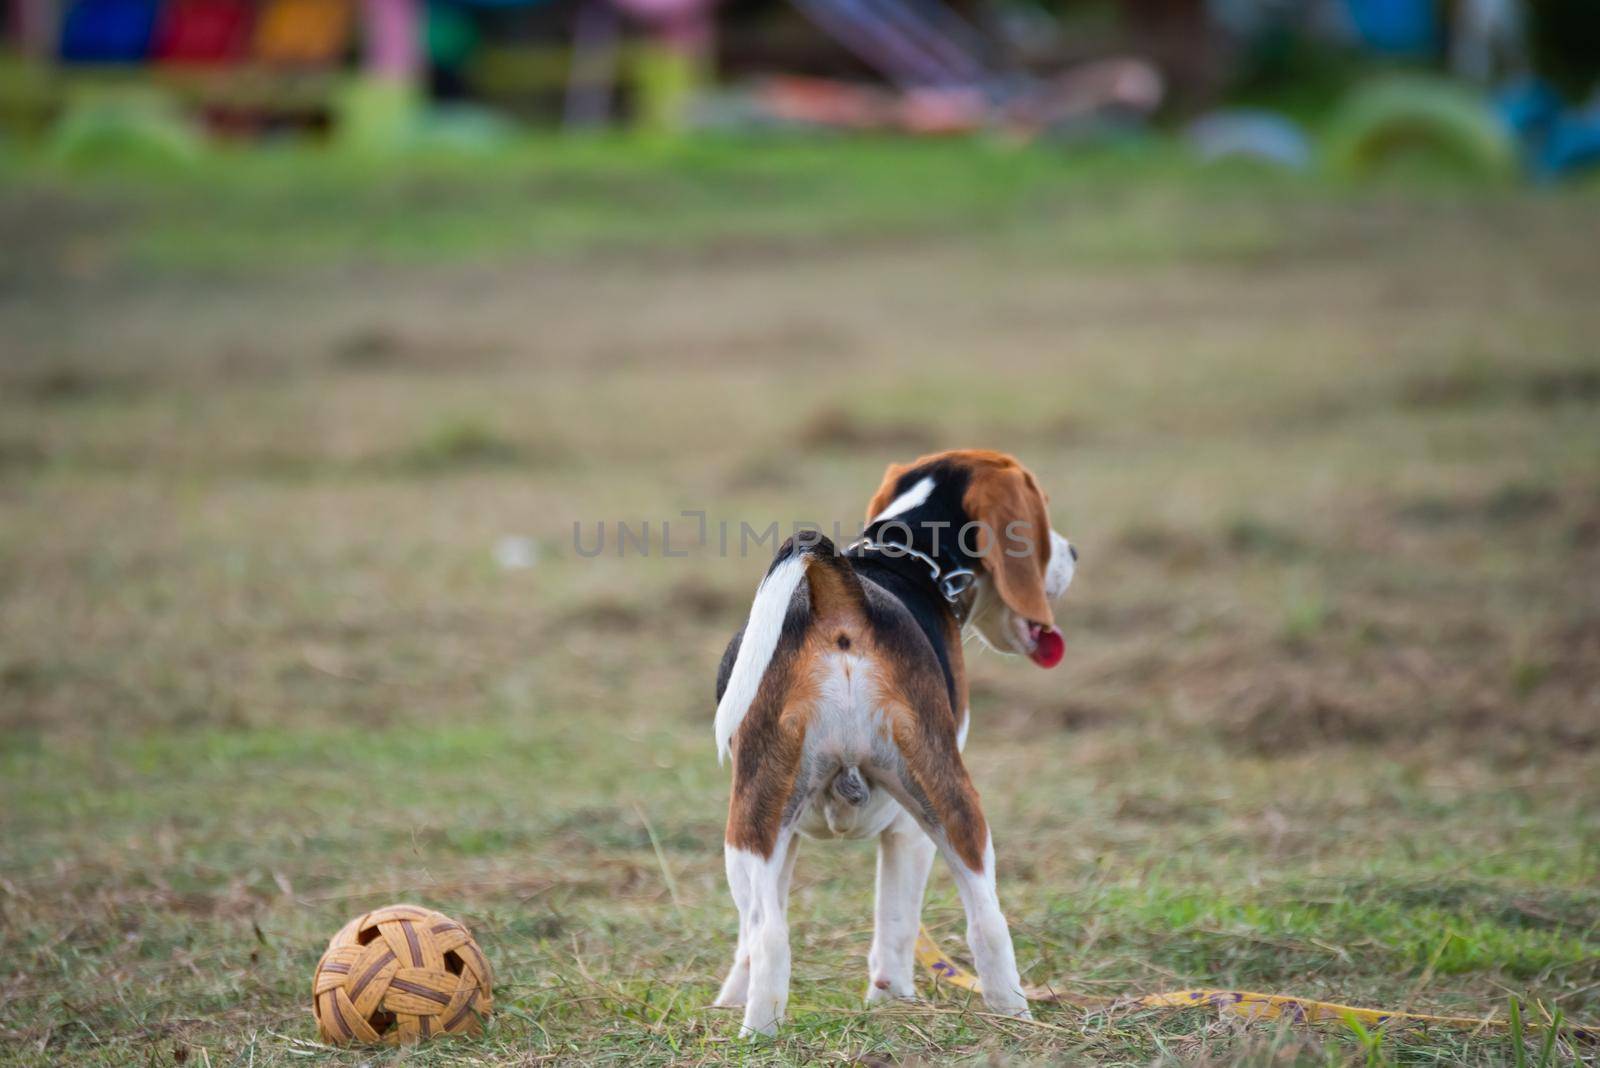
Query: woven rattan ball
(400,974)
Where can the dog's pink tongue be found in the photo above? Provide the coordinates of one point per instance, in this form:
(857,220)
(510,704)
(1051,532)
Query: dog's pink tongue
(1048,651)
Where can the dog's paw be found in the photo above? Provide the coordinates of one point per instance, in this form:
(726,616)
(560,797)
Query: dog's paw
(881,990)
(762,1015)
(735,988)
(759,1029)
(1015,1007)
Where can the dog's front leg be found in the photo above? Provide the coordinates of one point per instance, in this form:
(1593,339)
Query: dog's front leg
(905,854)
(761,887)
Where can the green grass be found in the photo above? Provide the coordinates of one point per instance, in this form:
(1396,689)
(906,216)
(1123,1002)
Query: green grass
(1326,724)
(294,207)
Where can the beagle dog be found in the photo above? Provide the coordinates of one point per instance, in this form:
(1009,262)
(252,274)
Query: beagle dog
(843,703)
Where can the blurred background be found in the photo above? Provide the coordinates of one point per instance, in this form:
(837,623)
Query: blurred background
(327,325)
(1245,77)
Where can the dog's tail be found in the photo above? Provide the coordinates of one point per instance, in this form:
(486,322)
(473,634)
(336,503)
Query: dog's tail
(774,598)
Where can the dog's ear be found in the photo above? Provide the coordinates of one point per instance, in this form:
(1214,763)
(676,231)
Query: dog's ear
(886,491)
(1013,534)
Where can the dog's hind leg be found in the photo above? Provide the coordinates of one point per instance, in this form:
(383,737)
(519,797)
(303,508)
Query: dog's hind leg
(905,854)
(935,788)
(988,934)
(736,987)
(770,789)
(762,964)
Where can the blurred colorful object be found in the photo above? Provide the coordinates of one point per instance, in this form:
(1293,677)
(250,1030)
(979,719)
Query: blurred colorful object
(1248,133)
(460,130)
(913,43)
(1431,121)
(304,32)
(1082,98)
(662,12)
(203,32)
(1557,140)
(375,116)
(1397,27)
(108,31)
(451,34)
(666,77)
(1573,144)
(392,39)
(138,126)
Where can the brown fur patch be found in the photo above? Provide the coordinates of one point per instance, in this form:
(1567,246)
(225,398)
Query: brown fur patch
(836,596)
(927,742)
(1003,496)
(925,728)
(766,752)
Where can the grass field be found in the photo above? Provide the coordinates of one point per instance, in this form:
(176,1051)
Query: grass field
(1329,721)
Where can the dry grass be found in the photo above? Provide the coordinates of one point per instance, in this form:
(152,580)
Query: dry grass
(1328,722)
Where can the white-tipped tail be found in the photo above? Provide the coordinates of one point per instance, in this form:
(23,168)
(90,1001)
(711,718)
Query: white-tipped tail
(756,648)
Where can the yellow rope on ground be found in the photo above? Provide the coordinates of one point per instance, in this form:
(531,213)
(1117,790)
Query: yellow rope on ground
(1242,1003)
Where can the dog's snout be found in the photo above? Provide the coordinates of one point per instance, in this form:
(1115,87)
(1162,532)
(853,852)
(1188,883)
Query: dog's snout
(1072,550)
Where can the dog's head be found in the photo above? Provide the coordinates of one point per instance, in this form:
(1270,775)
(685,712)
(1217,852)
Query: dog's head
(988,509)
